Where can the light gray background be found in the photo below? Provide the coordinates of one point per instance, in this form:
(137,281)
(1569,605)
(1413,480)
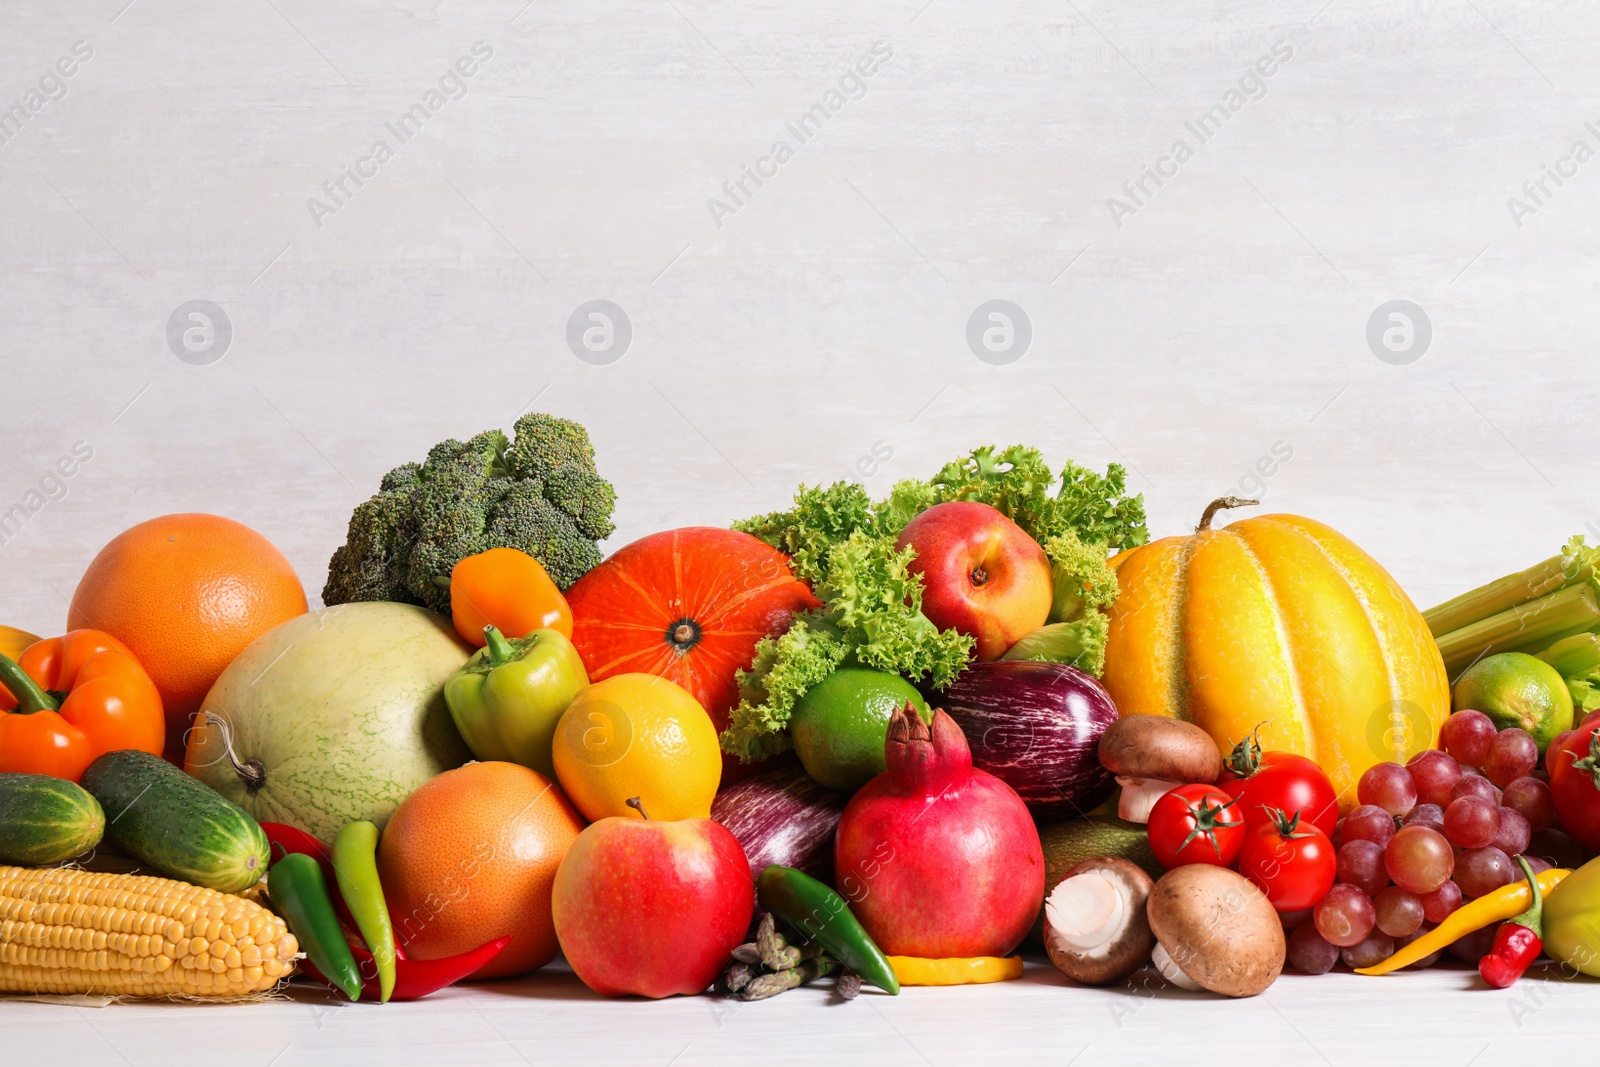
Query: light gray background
(825,318)
(829,313)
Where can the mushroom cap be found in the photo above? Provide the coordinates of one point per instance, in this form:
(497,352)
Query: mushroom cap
(1154,746)
(1218,927)
(1131,947)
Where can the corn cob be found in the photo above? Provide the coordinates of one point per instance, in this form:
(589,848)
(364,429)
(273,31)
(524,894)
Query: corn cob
(64,930)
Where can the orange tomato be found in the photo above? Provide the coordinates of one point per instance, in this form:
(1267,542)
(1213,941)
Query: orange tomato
(75,698)
(507,589)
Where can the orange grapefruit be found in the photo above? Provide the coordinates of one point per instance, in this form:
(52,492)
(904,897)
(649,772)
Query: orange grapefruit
(186,593)
(471,856)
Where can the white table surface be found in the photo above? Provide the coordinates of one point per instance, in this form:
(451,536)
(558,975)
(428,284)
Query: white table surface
(825,319)
(1442,1016)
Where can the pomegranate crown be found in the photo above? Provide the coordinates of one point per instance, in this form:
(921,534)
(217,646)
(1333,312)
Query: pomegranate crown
(923,754)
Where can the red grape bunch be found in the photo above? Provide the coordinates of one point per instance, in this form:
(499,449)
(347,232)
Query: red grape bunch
(1424,838)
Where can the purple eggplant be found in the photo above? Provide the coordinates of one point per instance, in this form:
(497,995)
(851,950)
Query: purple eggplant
(1036,727)
(783,817)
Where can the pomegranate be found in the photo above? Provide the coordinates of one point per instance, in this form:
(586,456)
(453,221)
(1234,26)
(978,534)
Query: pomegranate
(938,858)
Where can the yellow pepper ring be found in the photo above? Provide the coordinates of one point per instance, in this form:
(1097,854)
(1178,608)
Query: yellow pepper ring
(957,970)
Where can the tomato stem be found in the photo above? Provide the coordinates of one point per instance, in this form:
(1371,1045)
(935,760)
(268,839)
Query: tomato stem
(1206,822)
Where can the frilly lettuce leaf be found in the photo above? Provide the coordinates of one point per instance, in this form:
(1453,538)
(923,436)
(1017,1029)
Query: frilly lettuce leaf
(842,542)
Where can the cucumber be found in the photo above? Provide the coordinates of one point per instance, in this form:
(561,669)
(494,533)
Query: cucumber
(45,819)
(177,824)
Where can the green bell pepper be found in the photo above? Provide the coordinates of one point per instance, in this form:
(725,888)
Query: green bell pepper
(509,696)
(1572,920)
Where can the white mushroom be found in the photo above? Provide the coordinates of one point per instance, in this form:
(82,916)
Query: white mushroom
(1151,755)
(1095,926)
(1215,930)
(1171,971)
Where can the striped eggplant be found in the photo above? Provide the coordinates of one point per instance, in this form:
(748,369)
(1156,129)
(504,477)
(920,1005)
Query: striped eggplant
(782,817)
(1036,727)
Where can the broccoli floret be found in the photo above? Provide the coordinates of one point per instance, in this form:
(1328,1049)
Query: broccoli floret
(526,520)
(538,492)
(557,453)
(402,477)
(372,563)
(586,497)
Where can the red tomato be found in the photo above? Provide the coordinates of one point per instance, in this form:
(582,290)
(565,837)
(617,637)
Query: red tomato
(1573,785)
(1293,864)
(1196,824)
(1279,780)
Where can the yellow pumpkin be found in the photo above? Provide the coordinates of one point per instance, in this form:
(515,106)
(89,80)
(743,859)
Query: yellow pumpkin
(1278,621)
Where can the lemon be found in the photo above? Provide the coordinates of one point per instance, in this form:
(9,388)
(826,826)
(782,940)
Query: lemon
(840,725)
(1515,689)
(638,736)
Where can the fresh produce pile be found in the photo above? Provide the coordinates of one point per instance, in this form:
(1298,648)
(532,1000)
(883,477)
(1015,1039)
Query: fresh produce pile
(871,743)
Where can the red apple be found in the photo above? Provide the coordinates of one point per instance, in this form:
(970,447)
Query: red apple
(653,908)
(981,574)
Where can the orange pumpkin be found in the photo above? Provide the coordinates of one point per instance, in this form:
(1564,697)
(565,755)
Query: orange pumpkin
(1278,620)
(688,605)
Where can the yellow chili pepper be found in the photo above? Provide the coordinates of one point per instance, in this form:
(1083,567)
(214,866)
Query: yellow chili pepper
(1504,903)
(957,970)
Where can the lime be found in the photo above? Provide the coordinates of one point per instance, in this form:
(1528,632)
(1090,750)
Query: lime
(1515,689)
(840,725)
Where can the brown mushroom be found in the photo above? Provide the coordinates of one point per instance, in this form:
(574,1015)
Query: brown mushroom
(1151,755)
(1215,930)
(1095,925)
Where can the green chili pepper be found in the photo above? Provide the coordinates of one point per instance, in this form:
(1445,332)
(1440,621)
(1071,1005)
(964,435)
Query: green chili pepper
(300,893)
(823,916)
(355,868)
(507,699)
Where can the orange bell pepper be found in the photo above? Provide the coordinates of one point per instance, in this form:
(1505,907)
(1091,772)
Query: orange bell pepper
(509,590)
(68,700)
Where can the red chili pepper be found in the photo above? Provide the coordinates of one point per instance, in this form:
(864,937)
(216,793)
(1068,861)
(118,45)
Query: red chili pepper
(1518,941)
(285,840)
(417,978)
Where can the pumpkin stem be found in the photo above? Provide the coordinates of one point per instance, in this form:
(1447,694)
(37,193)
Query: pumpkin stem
(683,635)
(1220,503)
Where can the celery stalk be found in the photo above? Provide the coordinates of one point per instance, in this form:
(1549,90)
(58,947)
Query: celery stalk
(1574,655)
(1545,618)
(1575,564)
(1539,644)
(1577,659)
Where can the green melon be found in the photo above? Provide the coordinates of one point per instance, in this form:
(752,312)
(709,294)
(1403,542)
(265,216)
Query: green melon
(333,716)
